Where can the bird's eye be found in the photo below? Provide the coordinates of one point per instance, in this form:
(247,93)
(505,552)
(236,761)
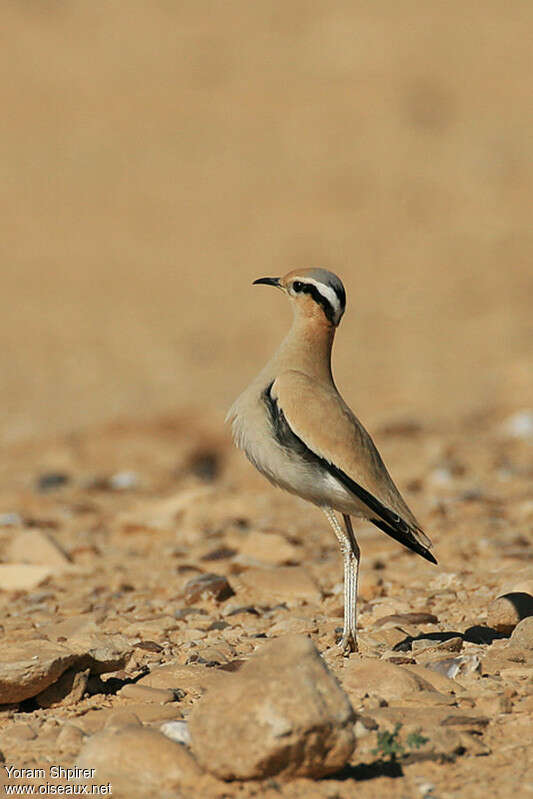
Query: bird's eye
(297,285)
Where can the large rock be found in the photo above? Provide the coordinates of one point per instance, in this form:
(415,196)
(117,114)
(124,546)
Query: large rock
(27,668)
(282,713)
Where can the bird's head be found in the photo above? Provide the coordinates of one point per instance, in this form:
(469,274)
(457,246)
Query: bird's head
(315,293)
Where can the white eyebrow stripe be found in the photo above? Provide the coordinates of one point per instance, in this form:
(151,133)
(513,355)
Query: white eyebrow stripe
(329,294)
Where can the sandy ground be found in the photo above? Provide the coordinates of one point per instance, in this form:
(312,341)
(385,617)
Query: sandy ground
(155,162)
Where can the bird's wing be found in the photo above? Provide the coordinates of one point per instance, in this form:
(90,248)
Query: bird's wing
(318,416)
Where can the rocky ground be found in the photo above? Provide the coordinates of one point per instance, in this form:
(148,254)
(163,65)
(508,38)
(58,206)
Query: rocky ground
(169,619)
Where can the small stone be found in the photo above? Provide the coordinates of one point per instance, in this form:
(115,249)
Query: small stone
(522,636)
(142,693)
(70,738)
(68,690)
(51,481)
(177,731)
(122,718)
(124,481)
(154,713)
(10,520)
(519,425)
(454,644)
(455,667)
(508,610)
(207,586)
(282,713)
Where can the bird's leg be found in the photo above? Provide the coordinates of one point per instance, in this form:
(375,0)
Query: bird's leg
(350,553)
(353,579)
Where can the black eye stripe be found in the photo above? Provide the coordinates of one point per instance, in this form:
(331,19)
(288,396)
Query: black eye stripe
(309,288)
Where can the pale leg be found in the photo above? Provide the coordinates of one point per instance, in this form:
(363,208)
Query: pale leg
(351,555)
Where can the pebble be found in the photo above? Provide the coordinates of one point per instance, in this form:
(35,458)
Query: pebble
(143,693)
(207,586)
(124,481)
(455,667)
(177,731)
(51,481)
(281,713)
(69,738)
(519,425)
(10,520)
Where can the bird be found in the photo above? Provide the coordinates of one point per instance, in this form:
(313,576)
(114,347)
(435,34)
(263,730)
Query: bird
(297,430)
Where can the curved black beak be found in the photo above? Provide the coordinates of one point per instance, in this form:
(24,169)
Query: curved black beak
(267,281)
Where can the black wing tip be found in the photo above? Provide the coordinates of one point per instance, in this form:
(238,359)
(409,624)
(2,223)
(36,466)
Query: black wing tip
(407,540)
(428,556)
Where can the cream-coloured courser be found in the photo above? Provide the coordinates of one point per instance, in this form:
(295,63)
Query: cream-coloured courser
(297,430)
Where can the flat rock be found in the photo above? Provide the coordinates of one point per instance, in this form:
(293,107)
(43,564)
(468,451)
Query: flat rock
(27,668)
(99,651)
(387,680)
(282,584)
(193,679)
(22,576)
(37,546)
(508,610)
(522,636)
(283,713)
(438,681)
(143,693)
(398,619)
(132,757)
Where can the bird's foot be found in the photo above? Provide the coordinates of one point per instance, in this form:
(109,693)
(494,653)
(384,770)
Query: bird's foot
(348,644)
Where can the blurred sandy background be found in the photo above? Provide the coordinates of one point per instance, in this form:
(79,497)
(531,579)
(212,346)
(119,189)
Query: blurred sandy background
(157,157)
